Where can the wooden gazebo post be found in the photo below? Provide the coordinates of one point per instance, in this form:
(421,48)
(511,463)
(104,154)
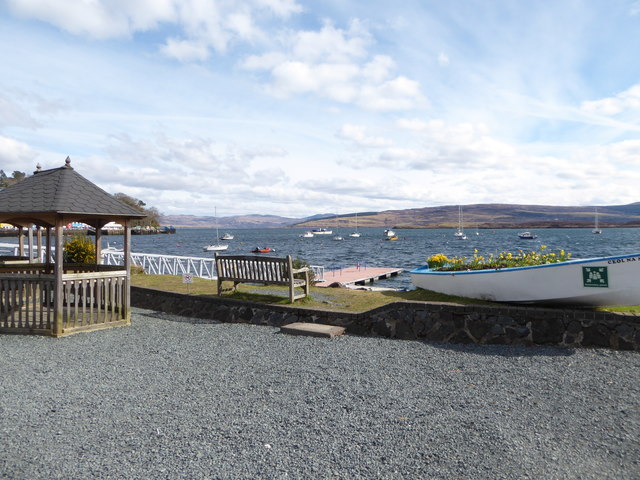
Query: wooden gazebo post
(127,266)
(58,270)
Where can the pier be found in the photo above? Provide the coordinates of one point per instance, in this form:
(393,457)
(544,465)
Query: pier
(357,275)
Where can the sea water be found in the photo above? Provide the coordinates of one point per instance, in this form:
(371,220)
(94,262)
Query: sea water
(371,249)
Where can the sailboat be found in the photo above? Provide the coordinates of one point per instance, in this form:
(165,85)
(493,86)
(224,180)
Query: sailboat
(596,229)
(355,234)
(460,233)
(216,247)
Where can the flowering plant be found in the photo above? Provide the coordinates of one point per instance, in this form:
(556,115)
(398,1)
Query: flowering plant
(503,260)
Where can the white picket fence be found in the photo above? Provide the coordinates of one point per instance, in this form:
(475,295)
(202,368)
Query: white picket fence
(155,264)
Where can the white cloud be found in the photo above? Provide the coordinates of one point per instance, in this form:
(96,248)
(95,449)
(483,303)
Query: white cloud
(185,50)
(331,44)
(97,18)
(400,93)
(627,100)
(336,64)
(282,8)
(14,155)
(357,135)
(203,24)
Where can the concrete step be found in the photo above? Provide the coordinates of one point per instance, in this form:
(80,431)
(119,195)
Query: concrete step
(312,329)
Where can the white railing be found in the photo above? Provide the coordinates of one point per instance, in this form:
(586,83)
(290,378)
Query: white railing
(318,273)
(14,249)
(155,264)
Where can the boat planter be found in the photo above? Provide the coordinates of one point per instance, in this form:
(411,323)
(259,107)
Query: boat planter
(605,281)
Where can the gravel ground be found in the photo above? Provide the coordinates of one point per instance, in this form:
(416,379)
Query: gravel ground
(176,399)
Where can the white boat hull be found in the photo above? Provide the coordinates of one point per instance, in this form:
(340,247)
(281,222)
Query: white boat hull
(215,248)
(606,281)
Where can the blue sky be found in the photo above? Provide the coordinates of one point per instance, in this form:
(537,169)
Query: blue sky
(295,107)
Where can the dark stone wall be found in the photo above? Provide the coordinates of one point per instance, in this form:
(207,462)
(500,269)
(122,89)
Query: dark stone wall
(438,322)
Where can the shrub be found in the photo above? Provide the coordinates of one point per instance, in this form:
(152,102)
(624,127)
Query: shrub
(80,249)
(299,263)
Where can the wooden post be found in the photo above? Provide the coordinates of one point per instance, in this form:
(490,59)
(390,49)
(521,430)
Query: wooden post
(20,242)
(98,246)
(30,241)
(126,304)
(57,283)
(47,260)
(290,274)
(39,238)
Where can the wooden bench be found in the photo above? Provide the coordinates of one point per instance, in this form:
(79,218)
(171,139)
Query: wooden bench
(265,270)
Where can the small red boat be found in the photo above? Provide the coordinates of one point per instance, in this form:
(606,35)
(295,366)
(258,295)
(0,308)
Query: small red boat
(261,250)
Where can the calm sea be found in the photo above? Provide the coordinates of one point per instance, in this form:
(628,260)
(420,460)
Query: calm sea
(410,251)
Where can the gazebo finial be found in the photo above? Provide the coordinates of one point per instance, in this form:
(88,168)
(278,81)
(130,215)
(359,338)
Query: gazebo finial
(67,162)
(38,168)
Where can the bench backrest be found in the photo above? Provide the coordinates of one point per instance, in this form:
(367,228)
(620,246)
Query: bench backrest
(250,267)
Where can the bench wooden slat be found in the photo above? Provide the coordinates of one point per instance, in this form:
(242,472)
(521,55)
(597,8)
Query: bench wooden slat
(267,270)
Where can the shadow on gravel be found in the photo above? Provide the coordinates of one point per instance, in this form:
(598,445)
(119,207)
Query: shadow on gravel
(506,350)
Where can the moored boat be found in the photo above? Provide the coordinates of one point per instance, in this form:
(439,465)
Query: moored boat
(262,250)
(459,234)
(527,236)
(596,229)
(321,231)
(603,281)
(215,247)
(227,236)
(307,235)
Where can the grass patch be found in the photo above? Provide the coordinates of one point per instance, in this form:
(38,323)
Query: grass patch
(334,299)
(632,310)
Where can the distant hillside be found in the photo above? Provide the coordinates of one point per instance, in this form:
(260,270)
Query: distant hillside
(489,216)
(236,222)
(480,215)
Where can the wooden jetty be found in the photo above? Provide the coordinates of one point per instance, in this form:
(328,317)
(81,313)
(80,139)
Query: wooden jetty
(357,275)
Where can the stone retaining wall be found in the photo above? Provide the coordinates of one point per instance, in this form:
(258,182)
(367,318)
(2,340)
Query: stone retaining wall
(439,322)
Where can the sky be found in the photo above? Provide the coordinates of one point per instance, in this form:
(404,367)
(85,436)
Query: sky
(300,107)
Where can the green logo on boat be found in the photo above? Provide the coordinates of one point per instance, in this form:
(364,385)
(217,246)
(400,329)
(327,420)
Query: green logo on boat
(595,277)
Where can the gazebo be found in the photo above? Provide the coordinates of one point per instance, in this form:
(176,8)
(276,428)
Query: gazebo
(45,297)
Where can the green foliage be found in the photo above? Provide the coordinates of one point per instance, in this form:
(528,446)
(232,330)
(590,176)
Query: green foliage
(80,249)
(503,260)
(16,177)
(299,263)
(152,213)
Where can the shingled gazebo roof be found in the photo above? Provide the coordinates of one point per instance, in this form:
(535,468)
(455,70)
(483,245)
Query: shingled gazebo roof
(61,192)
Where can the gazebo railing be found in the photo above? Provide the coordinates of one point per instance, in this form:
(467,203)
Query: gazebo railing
(25,303)
(93,297)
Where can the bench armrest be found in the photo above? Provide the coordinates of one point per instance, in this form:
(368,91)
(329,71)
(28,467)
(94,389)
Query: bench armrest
(300,270)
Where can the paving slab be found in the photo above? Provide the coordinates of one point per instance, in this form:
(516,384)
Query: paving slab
(312,329)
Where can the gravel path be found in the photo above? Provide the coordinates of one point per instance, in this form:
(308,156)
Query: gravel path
(172,398)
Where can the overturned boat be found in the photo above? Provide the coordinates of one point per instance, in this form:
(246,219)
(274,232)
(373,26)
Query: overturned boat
(604,281)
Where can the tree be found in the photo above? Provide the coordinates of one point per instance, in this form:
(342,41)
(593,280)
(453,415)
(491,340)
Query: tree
(16,177)
(152,214)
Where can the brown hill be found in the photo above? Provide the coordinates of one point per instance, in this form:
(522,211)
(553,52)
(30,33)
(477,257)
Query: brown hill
(492,215)
(489,216)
